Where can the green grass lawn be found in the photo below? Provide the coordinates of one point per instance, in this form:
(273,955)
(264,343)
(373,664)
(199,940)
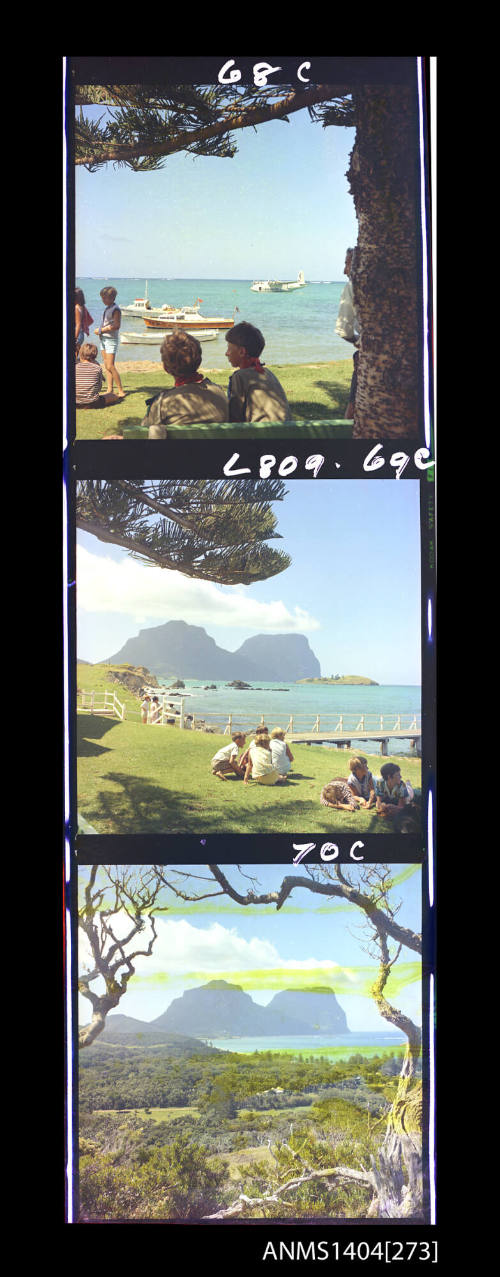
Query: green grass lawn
(317,394)
(137,779)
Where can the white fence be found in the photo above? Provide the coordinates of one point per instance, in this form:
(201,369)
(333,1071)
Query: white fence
(102,703)
(347,726)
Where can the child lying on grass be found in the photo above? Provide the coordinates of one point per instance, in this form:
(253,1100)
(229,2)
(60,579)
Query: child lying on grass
(361,782)
(337,794)
(392,793)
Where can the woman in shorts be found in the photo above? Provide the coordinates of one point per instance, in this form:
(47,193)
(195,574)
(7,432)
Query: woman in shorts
(108,332)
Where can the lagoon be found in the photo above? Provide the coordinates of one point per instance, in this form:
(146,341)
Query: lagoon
(340,1047)
(277,702)
(299,327)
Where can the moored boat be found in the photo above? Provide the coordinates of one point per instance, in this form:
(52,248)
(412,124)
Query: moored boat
(185,321)
(142,306)
(155,338)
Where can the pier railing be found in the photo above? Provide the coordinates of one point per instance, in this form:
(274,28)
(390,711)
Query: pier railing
(339,728)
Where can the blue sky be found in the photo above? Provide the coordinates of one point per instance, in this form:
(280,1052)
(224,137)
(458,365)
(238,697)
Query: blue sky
(280,205)
(353,587)
(263,950)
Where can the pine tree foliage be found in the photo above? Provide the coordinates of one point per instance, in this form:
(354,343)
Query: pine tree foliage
(213,530)
(142,124)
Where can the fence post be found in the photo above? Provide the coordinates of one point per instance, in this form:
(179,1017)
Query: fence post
(91,702)
(181,717)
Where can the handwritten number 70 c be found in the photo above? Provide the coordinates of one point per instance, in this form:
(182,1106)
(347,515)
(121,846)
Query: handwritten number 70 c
(329,851)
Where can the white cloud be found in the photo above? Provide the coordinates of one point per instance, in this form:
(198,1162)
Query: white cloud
(147,593)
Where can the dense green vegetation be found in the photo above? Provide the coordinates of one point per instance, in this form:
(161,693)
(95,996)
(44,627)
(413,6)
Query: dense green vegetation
(244,1123)
(317,394)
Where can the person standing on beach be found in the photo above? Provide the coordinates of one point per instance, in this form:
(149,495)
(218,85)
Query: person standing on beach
(108,332)
(254,393)
(347,326)
(82,320)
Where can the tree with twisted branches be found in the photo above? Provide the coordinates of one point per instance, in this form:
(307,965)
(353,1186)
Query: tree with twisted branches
(394,1177)
(111,895)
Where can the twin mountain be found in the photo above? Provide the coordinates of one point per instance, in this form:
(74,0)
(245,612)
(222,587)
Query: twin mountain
(219,1009)
(187,651)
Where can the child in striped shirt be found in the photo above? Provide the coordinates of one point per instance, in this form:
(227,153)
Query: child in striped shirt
(88,375)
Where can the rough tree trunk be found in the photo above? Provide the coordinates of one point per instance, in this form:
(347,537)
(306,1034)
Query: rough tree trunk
(384,182)
(398,1174)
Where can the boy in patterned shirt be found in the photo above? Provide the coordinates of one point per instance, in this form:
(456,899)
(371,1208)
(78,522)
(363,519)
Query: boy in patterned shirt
(391,791)
(361,782)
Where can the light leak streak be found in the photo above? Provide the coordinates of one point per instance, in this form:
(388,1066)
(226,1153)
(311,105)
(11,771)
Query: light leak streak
(69,1066)
(430,848)
(429,618)
(67,848)
(432,1104)
(423,222)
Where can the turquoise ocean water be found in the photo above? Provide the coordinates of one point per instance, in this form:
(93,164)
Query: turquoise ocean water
(299,327)
(339,1047)
(276,702)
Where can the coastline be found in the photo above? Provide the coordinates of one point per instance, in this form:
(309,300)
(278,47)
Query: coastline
(153,365)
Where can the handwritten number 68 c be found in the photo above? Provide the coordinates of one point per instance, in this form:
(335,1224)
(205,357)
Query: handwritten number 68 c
(229,73)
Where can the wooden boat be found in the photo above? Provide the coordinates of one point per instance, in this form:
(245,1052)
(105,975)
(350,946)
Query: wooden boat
(185,321)
(278,285)
(155,338)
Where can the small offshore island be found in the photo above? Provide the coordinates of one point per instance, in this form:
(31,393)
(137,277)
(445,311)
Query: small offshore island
(342,678)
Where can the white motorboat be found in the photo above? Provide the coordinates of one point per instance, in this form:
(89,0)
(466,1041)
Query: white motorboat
(155,337)
(142,306)
(278,285)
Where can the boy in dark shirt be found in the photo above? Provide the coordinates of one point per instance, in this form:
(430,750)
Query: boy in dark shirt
(255,394)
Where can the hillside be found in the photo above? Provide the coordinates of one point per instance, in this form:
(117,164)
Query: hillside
(188,652)
(219,1009)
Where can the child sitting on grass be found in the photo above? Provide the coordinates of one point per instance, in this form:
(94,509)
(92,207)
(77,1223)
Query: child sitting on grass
(260,767)
(337,794)
(361,782)
(193,398)
(255,394)
(226,758)
(88,376)
(281,756)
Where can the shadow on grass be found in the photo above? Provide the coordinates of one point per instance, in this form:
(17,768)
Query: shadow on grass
(139,807)
(89,731)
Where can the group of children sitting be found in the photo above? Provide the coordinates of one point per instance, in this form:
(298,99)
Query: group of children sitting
(253,392)
(268,760)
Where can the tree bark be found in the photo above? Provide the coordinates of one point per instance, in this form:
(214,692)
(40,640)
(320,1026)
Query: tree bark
(384,182)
